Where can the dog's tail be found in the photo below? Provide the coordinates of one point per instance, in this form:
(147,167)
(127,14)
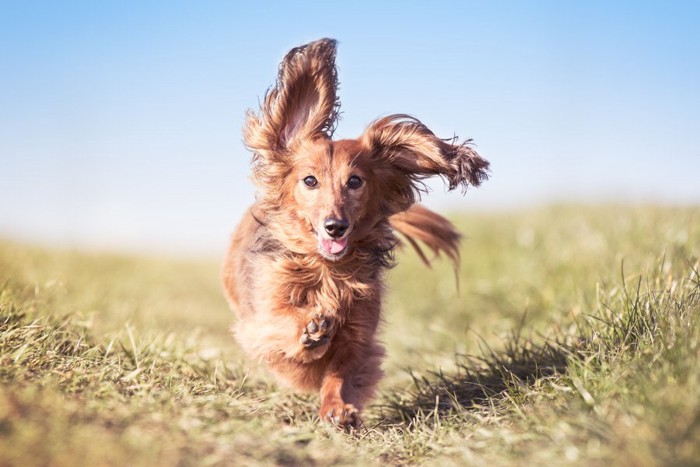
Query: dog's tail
(436,232)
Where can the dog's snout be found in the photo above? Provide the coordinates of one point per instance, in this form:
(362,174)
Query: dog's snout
(336,228)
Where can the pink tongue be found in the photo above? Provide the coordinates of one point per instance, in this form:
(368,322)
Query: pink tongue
(334,246)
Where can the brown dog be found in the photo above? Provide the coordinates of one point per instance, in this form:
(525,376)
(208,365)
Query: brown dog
(305,267)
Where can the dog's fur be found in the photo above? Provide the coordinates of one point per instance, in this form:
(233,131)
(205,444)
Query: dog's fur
(305,266)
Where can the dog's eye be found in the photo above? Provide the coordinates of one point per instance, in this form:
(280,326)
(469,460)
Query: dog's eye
(354,182)
(311,181)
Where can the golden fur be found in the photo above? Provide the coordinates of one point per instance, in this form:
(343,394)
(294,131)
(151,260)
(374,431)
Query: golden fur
(304,271)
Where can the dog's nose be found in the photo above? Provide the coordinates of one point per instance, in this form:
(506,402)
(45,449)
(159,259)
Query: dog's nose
(336,227)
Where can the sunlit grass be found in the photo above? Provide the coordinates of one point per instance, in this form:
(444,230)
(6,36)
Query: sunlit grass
(572,338)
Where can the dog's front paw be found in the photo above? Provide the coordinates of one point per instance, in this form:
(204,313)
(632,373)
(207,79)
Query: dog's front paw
(318,332)
(342,415)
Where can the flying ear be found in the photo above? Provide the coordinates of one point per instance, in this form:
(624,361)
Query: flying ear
(301,105)
(409,152)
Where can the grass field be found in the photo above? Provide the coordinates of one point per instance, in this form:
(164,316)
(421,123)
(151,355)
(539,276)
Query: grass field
(573,339)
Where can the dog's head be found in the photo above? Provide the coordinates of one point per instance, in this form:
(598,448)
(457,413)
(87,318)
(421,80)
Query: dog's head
(325,196)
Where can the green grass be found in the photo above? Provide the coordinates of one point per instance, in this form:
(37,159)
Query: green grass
(572,340)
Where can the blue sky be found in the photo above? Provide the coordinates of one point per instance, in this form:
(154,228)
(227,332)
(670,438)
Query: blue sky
(120,122)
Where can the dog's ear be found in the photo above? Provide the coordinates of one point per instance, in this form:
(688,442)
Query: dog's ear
(301,105)
(408,152)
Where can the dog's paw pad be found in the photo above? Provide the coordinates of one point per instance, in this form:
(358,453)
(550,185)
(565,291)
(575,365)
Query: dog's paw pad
(316,333)
(312,327)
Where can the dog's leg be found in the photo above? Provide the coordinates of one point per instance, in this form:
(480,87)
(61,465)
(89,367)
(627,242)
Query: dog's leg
(334,408)
(292,333)
(350,380)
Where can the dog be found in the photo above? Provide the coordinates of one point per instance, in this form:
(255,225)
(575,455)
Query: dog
(304,270)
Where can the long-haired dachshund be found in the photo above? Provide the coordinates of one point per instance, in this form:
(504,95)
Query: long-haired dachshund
(305,267)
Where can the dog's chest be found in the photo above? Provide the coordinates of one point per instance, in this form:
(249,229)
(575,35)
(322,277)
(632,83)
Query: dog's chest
(312,285)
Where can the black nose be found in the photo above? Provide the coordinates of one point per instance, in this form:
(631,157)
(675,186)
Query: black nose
(336,227)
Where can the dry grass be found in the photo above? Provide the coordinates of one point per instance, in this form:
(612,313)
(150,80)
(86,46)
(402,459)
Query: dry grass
(573,340)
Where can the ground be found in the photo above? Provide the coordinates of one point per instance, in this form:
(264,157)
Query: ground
(569,336)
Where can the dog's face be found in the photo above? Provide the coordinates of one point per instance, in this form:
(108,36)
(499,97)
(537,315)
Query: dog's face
(330,191)
(330,194)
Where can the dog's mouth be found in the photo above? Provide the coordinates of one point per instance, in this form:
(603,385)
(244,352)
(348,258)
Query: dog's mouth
(333,247)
